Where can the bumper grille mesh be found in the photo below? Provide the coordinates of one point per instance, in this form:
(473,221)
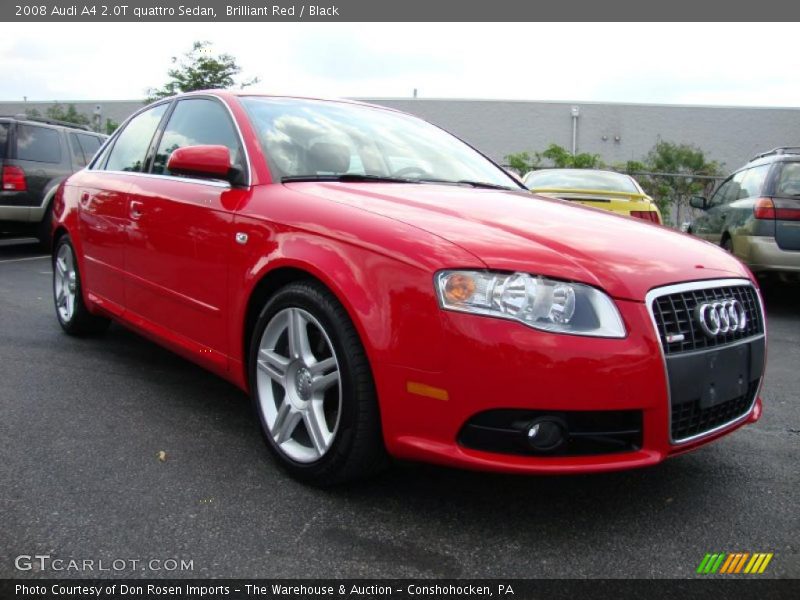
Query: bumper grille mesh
(674,315)
(688,419)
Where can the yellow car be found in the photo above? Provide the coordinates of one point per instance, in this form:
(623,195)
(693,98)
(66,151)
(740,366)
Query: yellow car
(609,190)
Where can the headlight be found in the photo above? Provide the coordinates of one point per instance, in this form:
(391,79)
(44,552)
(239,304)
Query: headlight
(536,301)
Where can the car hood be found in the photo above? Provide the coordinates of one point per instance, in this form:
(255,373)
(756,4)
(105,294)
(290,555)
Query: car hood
(517,231)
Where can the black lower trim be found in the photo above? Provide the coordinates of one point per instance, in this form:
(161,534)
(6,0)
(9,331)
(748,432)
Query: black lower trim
(504,431)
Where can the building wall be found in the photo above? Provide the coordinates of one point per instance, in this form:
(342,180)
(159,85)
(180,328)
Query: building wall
(498,127)
(728,135)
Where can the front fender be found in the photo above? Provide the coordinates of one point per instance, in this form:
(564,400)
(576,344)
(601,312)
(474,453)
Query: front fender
(391,303)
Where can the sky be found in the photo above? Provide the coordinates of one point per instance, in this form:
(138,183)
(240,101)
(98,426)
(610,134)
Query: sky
(671,63)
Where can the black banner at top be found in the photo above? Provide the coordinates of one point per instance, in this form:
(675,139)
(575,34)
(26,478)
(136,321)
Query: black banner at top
(108,11)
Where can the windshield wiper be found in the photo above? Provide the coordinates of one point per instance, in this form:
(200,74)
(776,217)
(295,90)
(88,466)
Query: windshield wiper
(475,184)
(348,177)
(485,184)
(389,179)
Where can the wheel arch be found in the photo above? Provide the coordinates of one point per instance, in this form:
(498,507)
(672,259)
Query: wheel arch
(273,280)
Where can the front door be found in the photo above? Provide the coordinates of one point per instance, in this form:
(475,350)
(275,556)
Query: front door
(181,236)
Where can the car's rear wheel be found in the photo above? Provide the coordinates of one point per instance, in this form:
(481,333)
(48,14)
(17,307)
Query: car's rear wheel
(312,388)
(727,244)
(44,231)
(73,316)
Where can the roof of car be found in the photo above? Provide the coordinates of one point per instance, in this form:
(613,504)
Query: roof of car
(245,93)
(48,121)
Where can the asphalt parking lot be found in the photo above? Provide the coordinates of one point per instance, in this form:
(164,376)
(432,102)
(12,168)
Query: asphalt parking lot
(82,422)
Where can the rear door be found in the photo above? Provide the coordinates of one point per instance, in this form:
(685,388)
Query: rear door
(181,235)
(40,153)
(103,216)
(786,198)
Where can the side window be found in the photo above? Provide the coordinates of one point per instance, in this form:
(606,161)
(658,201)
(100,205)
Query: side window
(194,122)
(90,144)
(718,197)
(39,144)
(736,190)
(77,151)
(789,180)
(130,147)
(753,182)
(3,139)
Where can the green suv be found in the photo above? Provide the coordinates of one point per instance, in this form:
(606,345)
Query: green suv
(755,213)
(35,156)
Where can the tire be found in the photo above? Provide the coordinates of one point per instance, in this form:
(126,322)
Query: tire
(313,390)
(44,231)
(72,314)
(727,244)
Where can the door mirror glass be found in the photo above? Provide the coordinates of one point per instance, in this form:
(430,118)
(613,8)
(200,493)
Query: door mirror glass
(697,202)
(201,161)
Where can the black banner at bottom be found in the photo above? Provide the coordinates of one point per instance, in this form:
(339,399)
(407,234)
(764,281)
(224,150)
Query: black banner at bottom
(397,589)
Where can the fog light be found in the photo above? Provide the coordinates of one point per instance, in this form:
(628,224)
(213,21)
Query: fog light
(546,434)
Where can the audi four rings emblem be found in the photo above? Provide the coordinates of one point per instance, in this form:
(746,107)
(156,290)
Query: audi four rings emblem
(724,316)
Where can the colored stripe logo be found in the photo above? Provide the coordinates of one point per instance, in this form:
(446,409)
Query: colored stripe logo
(734,563)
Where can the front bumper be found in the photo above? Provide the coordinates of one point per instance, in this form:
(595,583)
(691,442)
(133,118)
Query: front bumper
(495,364)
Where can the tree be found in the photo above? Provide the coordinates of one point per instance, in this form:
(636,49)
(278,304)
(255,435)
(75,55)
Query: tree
(200,70)
(522,162)
(111,126)
(564,159)
(57,111)
(558,156)
(677,172)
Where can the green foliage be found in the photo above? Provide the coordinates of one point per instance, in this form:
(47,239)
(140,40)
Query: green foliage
(58,112)
(673,169)
(522,162)
(68,114)
(558,157)
(199,70)
(564,159)
(111,126)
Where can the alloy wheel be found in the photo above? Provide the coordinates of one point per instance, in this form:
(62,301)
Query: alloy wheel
(65,283)
(299,385)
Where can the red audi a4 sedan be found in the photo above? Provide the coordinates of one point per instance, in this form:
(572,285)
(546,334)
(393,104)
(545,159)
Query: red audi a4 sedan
(380,288)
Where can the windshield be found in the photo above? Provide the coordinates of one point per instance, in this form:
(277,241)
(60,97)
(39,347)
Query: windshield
(577,179)
(318,139)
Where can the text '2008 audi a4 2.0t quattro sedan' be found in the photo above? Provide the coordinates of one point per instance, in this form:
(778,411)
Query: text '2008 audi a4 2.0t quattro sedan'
(382,289)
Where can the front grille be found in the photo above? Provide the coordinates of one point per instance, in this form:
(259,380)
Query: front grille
(674,315)
(689,419)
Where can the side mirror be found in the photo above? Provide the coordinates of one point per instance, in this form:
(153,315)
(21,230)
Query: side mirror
(698,202)
(201,161)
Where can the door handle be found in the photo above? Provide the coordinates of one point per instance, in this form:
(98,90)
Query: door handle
(135,210)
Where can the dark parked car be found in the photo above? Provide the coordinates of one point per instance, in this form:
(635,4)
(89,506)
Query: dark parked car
(37,155)
(755,213)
